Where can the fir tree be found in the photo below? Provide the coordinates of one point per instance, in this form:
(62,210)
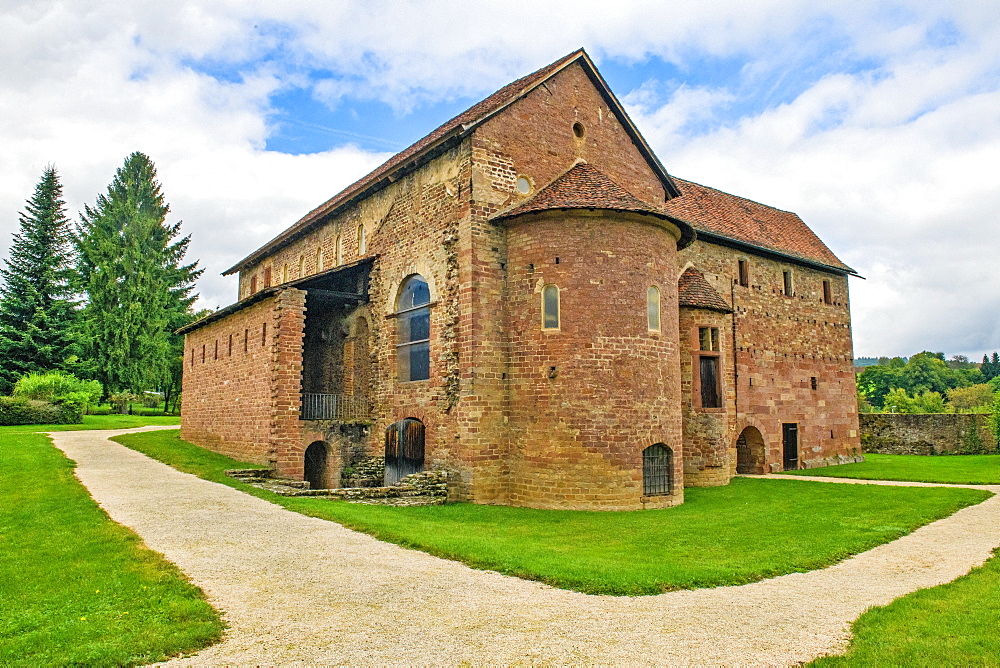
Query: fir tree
(138,291)
(36,310)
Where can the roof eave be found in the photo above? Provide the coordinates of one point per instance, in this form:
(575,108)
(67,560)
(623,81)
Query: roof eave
(712,237)
(688,233)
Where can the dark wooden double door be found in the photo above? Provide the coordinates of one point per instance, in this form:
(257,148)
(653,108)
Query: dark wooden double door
(404,449)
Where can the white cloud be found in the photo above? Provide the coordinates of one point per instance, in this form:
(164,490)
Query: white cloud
(889,154)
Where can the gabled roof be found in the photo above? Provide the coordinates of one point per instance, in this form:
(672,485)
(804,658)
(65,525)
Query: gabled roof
(693,291)
(584,186)
(719,216)
(449,134)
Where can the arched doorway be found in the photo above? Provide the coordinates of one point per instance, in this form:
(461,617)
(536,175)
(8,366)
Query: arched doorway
(404,449)
(750,451)
(315,465)
(657,470)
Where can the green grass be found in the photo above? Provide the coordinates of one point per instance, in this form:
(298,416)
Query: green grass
(955,469)
(749,530)
(93,422)
(954,624)
(75,587)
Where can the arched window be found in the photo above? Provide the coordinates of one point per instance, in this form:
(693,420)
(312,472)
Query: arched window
(319,259)
(339,258)
(302,266)
(284,273)
(413,326)
(362,241)
(653,308)
(550,307)
(657,470)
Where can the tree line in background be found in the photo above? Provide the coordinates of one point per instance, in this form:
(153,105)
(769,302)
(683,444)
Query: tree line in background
(927,383)
(99,300)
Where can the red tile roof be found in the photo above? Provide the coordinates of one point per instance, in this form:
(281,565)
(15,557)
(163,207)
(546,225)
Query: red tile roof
(694,291)
(457,128)
(586,187)
(582,187)
(740,219)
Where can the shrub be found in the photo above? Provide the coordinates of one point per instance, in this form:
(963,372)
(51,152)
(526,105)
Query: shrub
(60,388)
(19,410)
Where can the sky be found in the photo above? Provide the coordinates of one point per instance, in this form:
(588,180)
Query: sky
(877,122)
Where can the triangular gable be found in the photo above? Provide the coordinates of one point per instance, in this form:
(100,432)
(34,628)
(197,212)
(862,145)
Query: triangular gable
(452,132)
(693,291)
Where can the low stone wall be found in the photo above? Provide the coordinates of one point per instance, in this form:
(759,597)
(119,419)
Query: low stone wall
(931,434)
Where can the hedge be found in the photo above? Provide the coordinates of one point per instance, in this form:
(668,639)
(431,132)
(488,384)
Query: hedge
(16,410)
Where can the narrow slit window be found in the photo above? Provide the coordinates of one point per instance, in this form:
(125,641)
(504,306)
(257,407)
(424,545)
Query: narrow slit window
(284,273)
(362,241)
(787,279)
(267,277)
(263,334)
(229,353)
(302,266)
(550,307)
(653,308)
(253,284)
(827,293)
(319,259)
(743,270)
(339,248)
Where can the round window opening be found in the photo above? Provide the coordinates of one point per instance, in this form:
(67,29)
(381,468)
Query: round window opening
(578,130)
(523,185)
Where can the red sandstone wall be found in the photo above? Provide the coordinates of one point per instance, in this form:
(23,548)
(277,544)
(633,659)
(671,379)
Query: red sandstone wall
(534,138)
(227,398)
(781,343)
(587,399)
(709,441)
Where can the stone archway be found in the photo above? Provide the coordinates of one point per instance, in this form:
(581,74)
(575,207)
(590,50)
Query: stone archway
(750,451)
(315,465)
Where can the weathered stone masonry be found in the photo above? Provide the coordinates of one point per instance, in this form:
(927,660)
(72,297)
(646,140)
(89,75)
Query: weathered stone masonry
(545,183)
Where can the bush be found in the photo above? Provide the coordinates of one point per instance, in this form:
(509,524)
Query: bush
(59,387)
(150,412)
(19,410)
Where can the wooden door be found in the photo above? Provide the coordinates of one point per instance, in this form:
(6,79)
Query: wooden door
(790,445)
(404,449)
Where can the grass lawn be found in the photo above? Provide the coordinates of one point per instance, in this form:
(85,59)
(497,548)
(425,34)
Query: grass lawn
(93,422)
(956,469)
(75,587)
(749,530)
(954,624)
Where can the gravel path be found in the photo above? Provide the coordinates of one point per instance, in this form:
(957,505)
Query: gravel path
(298,590)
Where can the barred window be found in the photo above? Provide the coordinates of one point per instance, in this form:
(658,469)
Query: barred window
(657,470)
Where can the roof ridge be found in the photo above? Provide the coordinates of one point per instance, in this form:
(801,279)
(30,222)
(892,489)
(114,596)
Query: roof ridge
(470,118)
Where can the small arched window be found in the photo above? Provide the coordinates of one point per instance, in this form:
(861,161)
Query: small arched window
(319,259)
(550,307)
(284,273)
(302,266)
(339,260)
(653,308)
(362,241)
(657,470)
(413,327)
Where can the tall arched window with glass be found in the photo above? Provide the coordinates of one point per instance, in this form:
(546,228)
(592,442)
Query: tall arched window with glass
(653,308)
(413,327)
(550,307)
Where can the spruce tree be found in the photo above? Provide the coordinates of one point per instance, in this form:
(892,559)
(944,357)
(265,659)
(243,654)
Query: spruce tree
(36,310)
(138,291)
